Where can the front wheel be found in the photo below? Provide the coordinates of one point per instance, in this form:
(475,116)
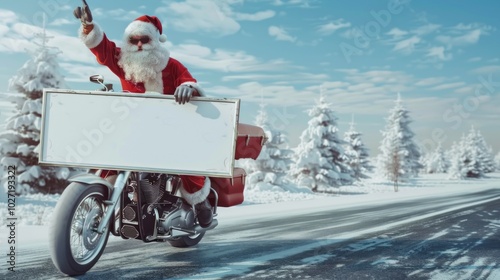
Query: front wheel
(74,242)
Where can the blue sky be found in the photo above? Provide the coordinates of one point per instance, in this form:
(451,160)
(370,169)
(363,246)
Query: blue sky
(441,56)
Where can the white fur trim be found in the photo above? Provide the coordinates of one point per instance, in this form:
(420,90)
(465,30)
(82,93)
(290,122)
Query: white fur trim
(199,196)
(196,86)
(94,38)
(163,38)
(155,84)
(138,28)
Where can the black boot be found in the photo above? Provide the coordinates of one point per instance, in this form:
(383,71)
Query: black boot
(204,213)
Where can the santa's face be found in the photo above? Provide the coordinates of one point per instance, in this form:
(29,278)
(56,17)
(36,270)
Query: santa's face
(140,41)
(142,58)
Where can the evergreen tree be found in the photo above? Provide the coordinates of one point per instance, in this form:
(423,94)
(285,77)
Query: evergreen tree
(437,161)
(425,158)
(270,169)
(467,160)
(318,161)
(457,155)
(497,161)
(400,156)
(356,154)
(21,137)
(486,155)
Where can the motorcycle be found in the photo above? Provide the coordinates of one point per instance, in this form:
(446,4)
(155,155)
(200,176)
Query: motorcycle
(136,205)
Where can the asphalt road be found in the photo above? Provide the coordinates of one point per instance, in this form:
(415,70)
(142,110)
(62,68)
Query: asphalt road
(442,238)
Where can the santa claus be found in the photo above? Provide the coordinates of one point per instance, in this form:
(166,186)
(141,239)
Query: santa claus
(144,64)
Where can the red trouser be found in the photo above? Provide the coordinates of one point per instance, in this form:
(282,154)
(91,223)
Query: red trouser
(191,184)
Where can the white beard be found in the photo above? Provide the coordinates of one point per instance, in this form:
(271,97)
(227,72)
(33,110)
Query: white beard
(144,66)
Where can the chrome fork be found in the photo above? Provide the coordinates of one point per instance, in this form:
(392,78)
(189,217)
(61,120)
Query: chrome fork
(120,183)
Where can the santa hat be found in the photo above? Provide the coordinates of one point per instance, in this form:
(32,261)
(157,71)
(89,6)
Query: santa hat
(146,25)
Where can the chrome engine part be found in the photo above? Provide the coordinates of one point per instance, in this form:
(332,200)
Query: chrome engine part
(129,231)
(153,187)
(181,216)
(164,214)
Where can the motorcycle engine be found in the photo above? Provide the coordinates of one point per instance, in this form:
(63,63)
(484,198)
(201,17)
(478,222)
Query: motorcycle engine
(153,187)
(160,208)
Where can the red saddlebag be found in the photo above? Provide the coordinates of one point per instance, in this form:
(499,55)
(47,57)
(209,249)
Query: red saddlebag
(230,190)
(250,140)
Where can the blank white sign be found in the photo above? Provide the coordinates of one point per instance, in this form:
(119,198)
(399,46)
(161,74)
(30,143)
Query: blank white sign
(139,132)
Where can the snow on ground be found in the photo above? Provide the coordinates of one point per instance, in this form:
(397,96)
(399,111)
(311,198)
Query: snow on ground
(37,209)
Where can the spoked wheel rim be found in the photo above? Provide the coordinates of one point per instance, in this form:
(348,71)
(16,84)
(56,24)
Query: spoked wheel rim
(85,241)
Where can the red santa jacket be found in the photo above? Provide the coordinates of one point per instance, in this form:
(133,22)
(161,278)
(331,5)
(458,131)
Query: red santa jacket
(107,54)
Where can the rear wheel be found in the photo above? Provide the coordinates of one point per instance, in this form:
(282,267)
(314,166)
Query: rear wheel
(75,243)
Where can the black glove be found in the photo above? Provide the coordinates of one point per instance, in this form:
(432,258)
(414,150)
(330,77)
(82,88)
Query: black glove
(183,93)
(83,14)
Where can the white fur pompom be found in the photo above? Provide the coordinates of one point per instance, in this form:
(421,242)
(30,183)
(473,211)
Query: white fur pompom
(163,38)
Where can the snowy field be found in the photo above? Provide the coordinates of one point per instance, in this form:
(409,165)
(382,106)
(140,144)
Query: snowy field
(34,212)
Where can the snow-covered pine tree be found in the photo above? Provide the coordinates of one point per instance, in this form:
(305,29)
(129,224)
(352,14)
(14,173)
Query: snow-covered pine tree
(436,161)
(497,161)
(400,156)
(269,170)
(356,154)
(22,131)
(424,160)
(466,158)
(457,155)
(486,155)
(318,161)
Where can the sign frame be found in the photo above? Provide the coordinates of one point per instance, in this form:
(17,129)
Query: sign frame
(213,120)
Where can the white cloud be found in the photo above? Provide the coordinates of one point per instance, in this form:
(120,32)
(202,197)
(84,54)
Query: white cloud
(474,59)
(332,26)
(282,95)
(288,78)
(280,34)
(471,37)
(210,16)
(76,72)
(430,81)
(488,69)
(426,29)
(223,60)
(448,86)
(466,90)
(461,27)
(378,77)
(200,16)
(122,14)
(361,87)
(258,16)
(63,21)
(439,53)
(300,3)
(407,46)
(3,30)
(397,33)
(7,16)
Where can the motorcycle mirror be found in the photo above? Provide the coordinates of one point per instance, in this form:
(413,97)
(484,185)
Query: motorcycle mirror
(98,79)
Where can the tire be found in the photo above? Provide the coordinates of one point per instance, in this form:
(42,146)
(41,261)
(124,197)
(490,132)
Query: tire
(74,246)
(187,241)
